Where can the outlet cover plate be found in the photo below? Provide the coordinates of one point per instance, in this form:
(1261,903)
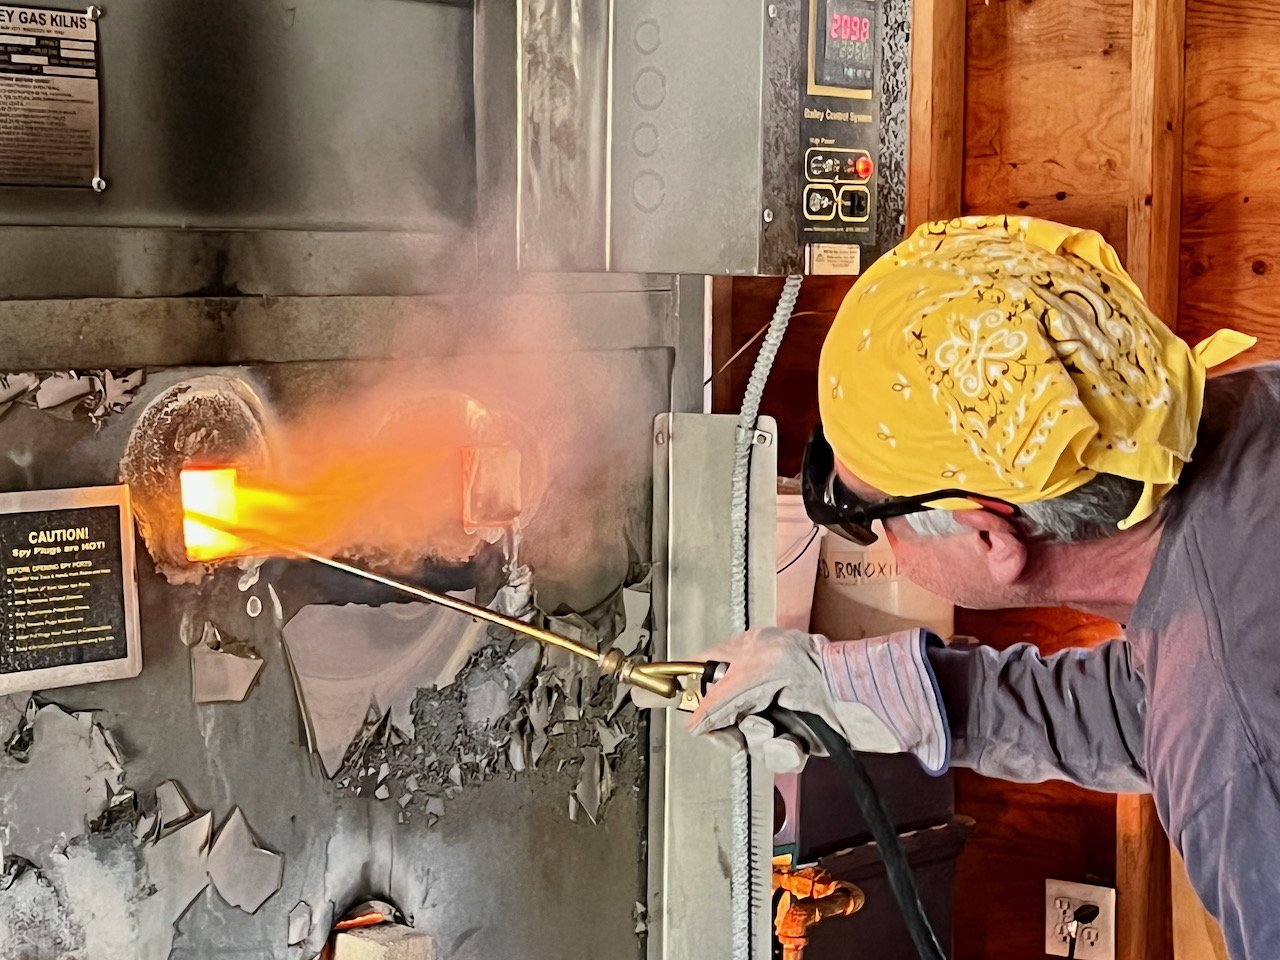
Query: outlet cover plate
(1097,941)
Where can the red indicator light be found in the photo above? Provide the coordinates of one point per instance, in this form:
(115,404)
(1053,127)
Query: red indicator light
(864,168)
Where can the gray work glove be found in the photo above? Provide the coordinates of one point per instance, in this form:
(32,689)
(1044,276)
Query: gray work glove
(880,693)
(782,751)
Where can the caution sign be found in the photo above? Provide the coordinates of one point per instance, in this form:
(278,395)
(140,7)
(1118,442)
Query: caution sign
(49,98)
(68,597)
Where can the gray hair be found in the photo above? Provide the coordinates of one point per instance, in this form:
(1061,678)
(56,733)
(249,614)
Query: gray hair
(1090,512)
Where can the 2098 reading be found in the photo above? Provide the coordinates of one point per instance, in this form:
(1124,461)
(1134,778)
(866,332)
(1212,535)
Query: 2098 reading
(848,27)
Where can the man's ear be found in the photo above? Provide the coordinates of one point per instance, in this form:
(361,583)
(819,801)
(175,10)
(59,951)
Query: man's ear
(1003,545)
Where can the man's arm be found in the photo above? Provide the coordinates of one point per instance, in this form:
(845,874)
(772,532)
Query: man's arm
(1078,715)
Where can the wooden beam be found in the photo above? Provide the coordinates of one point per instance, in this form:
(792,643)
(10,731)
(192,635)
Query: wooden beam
(722,346)
(1155,177)
(1196,936)
(935,127)
(1144,914)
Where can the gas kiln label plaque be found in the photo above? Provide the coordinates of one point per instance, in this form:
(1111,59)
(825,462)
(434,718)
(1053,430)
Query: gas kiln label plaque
(68,594)
(49,98)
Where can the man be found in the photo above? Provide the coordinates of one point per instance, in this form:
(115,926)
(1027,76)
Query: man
(1055,443)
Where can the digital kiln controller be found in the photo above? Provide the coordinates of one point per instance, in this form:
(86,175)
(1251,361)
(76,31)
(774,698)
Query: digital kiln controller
(839,134)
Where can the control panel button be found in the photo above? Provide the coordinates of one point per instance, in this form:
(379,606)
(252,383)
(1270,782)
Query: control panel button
(820,202)
(823,165)
(854,204)
(838,165)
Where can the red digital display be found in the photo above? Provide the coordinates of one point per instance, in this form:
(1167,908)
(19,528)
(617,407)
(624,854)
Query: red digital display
(845,53)
(846,26)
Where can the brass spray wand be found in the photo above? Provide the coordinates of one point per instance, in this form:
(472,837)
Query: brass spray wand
(661,678)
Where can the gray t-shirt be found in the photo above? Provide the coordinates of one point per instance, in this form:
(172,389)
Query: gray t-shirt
(1187,705)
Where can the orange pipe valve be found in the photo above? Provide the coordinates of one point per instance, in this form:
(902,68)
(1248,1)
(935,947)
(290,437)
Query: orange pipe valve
(809,896)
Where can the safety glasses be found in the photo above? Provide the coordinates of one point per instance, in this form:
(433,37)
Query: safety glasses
(831,504)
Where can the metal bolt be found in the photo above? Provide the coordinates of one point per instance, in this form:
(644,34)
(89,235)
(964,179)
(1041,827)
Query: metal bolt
(94,12)
(768,215)
(773,11)
(98,184)
(660,439)
(762,439)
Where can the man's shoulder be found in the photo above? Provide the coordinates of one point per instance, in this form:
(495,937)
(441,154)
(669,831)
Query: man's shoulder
(1264,377)
(1233,464)
(1242,402)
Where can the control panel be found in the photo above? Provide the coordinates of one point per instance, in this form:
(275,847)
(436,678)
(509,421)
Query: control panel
(839,134)
(710,136)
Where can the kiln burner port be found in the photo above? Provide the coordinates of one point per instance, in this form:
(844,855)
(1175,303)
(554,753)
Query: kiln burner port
(212,419)
(376,930)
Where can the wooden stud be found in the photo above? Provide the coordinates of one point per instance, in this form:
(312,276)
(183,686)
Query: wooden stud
(1143,875)
(935,131)
(1196,936)
(722,345)
(1143,908)
(1155,179)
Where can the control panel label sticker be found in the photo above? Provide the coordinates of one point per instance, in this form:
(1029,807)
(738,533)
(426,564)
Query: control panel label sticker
(835,259)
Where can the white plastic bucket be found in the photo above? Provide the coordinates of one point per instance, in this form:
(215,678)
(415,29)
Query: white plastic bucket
(861,592)
(799,542)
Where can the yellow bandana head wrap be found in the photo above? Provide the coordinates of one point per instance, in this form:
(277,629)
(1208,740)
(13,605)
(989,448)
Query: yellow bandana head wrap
(1014,358)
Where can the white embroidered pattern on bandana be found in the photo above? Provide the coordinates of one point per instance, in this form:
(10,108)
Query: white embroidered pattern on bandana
(1045,328)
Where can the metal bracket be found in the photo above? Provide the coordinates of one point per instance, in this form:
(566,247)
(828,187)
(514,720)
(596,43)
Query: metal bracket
(690,826)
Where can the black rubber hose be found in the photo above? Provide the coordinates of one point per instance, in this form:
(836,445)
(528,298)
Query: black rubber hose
(901,881)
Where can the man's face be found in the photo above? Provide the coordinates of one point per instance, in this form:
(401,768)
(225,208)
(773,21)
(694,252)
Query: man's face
(953,566)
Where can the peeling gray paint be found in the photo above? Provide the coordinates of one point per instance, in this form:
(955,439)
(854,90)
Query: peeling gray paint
(62,778)
(491,874)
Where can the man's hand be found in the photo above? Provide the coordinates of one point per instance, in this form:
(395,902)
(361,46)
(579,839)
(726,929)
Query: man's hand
(880,692)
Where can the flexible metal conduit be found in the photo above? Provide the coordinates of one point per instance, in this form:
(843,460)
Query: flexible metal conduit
(745,899)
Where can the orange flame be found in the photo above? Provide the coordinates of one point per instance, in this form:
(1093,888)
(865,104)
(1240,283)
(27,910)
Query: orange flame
(211,492)
(429,479)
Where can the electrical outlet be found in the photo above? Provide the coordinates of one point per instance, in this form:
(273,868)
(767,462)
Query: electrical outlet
(1097,940)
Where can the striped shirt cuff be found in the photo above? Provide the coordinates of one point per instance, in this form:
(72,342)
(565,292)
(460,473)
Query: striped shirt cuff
(893,678)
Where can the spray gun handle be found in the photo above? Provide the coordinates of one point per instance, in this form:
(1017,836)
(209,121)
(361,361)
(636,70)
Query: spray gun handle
(684,681)
(696,687)
(712,671)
